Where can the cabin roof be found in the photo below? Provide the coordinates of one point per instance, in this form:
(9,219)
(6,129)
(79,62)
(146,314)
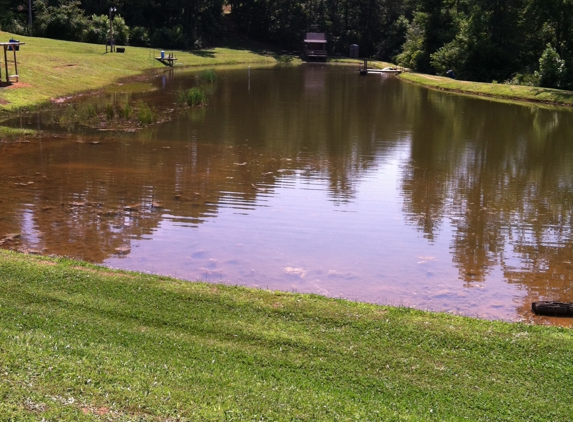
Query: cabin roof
(315,37)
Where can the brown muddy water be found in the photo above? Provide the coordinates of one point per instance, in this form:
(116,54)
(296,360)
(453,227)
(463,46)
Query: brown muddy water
(310,179)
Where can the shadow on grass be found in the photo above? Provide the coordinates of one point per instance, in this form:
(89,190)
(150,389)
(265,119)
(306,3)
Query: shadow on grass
(208,54)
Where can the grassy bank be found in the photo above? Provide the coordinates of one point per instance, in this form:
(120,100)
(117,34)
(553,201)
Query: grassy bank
(51,69)
(78,342)
(493,90)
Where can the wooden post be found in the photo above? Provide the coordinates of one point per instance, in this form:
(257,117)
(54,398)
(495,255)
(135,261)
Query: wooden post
(15,62)
(6,63)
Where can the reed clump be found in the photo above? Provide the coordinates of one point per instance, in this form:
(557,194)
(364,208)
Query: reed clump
(115,113)
(193,97)
(146,115)
(208,75)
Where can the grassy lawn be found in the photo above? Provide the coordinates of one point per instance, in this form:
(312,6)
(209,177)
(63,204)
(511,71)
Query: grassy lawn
(50,69)
(79,342)
(501,91)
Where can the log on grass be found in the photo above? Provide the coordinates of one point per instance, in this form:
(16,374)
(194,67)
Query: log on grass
(548,308)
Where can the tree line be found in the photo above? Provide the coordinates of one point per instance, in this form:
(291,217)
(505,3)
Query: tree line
(525,42)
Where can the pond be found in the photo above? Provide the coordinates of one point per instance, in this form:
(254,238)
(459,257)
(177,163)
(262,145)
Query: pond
(309,179)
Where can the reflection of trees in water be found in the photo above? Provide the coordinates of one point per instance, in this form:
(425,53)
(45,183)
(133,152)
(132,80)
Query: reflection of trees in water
(503,175)
(327,124)
(91,201)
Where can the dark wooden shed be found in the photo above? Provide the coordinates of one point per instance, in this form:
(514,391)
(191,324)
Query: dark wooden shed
(315,45)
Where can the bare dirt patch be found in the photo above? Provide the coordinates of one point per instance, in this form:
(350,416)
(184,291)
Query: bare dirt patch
(18,85)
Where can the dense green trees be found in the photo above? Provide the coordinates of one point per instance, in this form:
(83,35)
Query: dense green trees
(521,41)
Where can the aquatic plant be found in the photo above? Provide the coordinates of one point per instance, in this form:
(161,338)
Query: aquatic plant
(208,75)
(109,111)
(181,97)
(68,116)
(125,111)
(87,112)
(145,114)
(193,97)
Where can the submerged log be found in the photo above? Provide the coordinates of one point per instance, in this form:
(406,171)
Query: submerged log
(548,308)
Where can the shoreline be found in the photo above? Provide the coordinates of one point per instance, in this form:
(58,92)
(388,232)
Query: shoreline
(515,94)
(51,69)
(85,342)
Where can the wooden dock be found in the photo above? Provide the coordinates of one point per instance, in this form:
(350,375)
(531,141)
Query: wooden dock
(391,71)
(168,60)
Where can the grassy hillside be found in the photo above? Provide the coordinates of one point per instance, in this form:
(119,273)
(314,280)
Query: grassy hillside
(501,91)
(49,69)
(79,342)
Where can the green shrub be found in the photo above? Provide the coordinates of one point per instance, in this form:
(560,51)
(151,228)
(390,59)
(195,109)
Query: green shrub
(284,59)
(139,36)
(552,70)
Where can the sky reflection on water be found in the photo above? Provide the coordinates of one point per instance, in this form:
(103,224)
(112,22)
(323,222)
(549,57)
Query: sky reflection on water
(313,179)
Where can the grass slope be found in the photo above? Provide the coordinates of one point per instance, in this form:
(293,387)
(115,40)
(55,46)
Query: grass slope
(501,91)
(78,342)
(51,68)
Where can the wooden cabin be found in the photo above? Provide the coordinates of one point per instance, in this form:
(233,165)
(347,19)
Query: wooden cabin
(315,45)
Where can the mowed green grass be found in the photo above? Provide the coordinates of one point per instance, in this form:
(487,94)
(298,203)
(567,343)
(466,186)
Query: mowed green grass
(493,90)
(80,342)
(50,69)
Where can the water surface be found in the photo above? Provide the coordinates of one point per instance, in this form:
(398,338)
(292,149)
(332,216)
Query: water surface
(311,179)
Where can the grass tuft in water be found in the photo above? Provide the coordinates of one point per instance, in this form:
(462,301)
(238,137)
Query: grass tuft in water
(125,111)
(194,97)
(146,115)
(109,111)
(208,75)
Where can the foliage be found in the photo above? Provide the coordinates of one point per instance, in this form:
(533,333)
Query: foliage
(481,40)
(285,59)
(413,49)
(525,79)
(139,36)
(552,70)
(67,21)
(169,37)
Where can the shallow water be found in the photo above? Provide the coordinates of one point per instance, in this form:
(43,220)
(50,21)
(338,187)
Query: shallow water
(311,179)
